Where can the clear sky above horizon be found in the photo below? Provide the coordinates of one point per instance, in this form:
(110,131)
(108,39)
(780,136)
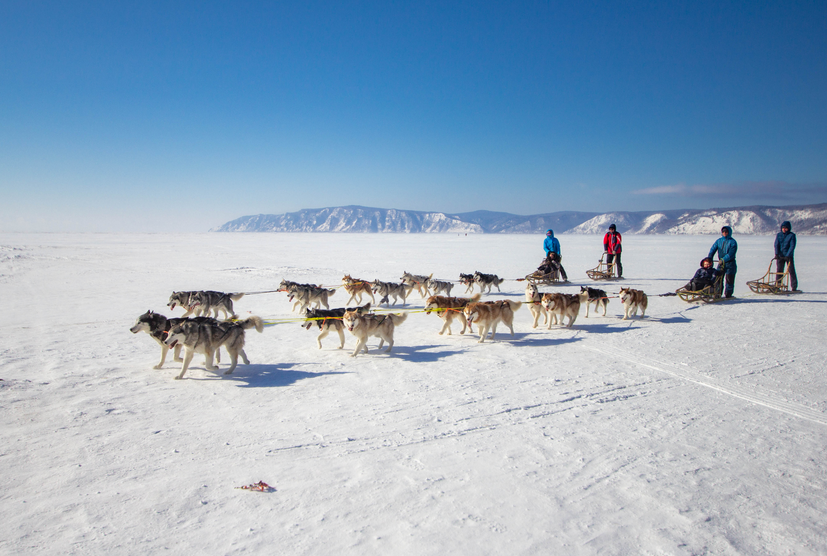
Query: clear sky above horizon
(180,116)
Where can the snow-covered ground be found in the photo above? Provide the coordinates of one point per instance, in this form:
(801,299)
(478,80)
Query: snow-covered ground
(697,430)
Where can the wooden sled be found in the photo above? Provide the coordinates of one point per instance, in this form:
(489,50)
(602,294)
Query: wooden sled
(538,278)
(709,294)
(772,282)
(603,271)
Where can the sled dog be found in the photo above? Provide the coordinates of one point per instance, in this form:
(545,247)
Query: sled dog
(560,306)
(182,299)
(388,289)
(449,308)
(208,337)
(487,281)
(326,320)
(157,326)
(307,295)
(596,296)
(362,326)
(632,301)
(417,281)
(467,280)
(356,287)
(486,315)
(439,286)
(206,302)
(534,300)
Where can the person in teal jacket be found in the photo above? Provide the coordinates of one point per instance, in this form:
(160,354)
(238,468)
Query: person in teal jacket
(551,245)
(726,247)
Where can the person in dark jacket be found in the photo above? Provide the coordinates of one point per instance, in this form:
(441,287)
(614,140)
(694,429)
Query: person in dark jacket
(784,251)
(612,248)
(704,276)
(551,245)
(726,247)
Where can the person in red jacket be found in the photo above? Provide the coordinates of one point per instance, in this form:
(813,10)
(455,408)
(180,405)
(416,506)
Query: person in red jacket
(612,247)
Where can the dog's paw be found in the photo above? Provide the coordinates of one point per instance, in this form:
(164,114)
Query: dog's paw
(158,366)
(228,372)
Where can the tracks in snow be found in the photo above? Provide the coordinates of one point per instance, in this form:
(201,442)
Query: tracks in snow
(766,399)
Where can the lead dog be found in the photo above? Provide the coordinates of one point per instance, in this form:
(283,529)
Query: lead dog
(157,326)
(632,301)
(449,308)
(487,281)
(534,300)
(560,306)
(596,296)
(363,326)
(486,315)
(388,289)
(356,287)
(417,281)
(208,337)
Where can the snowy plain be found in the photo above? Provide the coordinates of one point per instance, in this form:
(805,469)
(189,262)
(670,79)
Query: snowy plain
(700,429)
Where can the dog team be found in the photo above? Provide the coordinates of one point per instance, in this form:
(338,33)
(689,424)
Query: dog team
(198,330)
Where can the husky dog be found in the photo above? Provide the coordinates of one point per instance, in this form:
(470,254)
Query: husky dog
(632,301)
(365,325)
(356,288)
(325,320)
(208,337)
(206,302)
(487,280)
(560,306)
(534,300)
(449,307)
(184,300)
(596,296)
(309,294)
(439,286)
(157,326)
(417,281)
(387,289)
(488,314)
(467,280)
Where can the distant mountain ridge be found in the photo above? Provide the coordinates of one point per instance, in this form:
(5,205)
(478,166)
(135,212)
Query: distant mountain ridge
(805,219)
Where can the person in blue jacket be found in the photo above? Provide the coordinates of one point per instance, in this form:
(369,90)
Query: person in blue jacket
(784,251)
(726,247)
(551,245)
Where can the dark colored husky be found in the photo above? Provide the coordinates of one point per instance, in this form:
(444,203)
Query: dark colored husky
(596,296)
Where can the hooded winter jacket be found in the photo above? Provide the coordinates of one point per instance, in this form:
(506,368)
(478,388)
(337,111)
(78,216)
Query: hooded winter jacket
(785,243)
(611,243)
(551,244)
(726,247)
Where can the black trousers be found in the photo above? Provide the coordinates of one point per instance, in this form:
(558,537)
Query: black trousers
(616,259)
(779,268)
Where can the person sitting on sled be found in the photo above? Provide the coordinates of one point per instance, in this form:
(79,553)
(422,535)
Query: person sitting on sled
(551,245)
(704,276)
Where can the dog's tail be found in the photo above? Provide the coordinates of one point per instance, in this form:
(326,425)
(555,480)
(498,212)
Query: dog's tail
(331,291)
(475,298)
(235,296)
(252,322)
(398,318)
(514,304)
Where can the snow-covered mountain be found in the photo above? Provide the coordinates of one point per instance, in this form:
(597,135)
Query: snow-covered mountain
(806,220)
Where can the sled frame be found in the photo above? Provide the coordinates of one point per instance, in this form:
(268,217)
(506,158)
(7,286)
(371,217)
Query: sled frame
(772,282)
(709,294)
(603,270)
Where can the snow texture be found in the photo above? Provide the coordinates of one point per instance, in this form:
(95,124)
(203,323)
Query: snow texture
(700,429)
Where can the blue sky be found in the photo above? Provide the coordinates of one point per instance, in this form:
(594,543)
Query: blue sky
(180,116)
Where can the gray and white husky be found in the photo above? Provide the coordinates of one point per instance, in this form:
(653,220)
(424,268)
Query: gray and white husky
(208,337)
(439,286)
(158,326)
(206,302)
(391,289)
(487,281)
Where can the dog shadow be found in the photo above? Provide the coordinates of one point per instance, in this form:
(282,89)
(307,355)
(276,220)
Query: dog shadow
(417,354)
(538,340)
(271,376)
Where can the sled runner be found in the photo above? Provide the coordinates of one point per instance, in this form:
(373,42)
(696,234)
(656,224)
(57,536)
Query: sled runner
(603,271)
(538,278)
(772,282)
(709,294)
